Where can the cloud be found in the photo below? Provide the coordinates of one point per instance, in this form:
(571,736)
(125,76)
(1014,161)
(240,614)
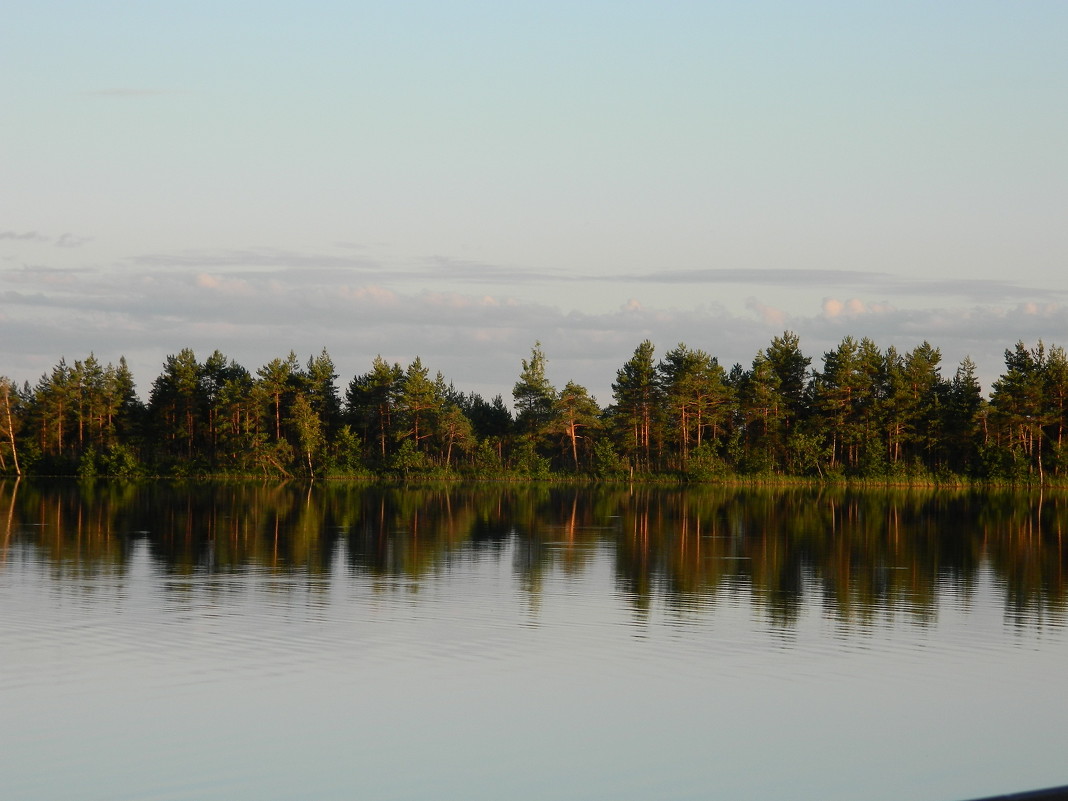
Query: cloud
(36,274)
(376,295)
(347,259)
(1046,310)
(71,241)
(768,314)
(762,277)
(476,339)
(852,308)
(981,290)
(832,307)
(267,259)
(477,271)
(224,285)
(64,241)
(24,236)
(455,300)
(131,91)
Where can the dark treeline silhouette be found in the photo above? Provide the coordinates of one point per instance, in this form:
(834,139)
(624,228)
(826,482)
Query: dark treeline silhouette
(864,413)
(866,553)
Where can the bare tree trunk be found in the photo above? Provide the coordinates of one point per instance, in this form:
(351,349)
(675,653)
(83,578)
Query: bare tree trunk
(10,427)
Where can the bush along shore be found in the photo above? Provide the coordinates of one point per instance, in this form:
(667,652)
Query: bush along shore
(864,414)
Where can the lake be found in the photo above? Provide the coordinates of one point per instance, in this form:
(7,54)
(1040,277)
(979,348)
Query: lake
(338,641)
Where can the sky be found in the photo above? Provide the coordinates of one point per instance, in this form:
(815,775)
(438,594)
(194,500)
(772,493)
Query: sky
(459,180)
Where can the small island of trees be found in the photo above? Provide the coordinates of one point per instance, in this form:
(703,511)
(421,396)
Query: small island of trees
(866,414)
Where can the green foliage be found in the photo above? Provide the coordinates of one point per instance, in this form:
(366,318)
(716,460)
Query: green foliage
(308,426)
(455,433)
(488,419)
(865,414)
(1000,463)
(409,461)
(527,462)
(697,399)
(533,395)
(871,459)
(371,406)
(639,403)
(806,452)
(790,367)
(119,461)
(705,465)
(486,461)
(420,403)
(31,459)
(757,462)
(346,451)
(607,463)
(575,417)
(87,464)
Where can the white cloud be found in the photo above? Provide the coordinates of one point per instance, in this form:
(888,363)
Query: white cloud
(1040,309)
(768,314)
(852,308)
(475,339)
(832,307)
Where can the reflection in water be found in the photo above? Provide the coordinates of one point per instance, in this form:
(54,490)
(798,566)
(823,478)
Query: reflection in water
(866,553)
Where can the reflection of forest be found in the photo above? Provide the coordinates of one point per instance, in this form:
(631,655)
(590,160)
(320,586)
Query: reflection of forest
(866,553)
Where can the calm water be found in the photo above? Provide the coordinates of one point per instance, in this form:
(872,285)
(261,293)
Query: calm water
(276,642)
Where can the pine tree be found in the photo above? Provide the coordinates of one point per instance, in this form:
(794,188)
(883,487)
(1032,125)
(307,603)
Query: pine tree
(371,403)
(638,404)
(575,414)
(533,395)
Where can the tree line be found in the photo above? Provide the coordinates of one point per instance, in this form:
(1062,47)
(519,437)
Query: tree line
(865,412)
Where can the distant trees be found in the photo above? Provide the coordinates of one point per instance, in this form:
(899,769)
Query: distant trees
(575,416)
(965,412)
(861,412)
(371,402)
(697,400)
(637,412)
(1028,405)
(232,413)
(79,409)
(176,403)
(217,416)
(533,395)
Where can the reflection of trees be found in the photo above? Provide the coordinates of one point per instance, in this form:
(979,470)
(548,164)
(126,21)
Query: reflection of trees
(1025,544)
(864,555)
(73,526)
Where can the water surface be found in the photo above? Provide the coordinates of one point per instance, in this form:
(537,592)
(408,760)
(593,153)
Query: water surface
(248,641)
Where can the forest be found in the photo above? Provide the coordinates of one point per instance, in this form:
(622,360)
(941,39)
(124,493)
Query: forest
(865,413)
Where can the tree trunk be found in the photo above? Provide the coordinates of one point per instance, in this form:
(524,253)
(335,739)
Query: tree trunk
(10,429)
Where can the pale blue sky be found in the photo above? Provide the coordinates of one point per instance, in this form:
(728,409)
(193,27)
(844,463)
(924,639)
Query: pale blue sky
(456,180)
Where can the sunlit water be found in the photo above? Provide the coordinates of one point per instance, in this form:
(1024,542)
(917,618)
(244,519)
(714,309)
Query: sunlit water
(542,660)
